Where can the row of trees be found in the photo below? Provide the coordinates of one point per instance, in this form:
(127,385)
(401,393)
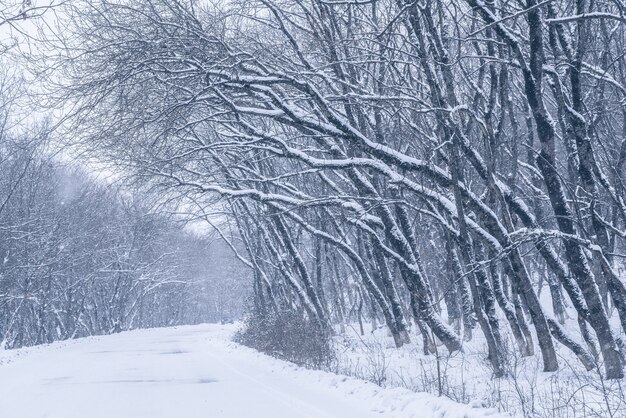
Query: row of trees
(458,163)
(82,258)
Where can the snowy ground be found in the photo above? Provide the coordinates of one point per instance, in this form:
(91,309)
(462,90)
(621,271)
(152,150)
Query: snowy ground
(189,372)
(466,377)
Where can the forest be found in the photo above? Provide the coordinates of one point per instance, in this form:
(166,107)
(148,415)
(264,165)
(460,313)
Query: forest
(82,257)
(450,170)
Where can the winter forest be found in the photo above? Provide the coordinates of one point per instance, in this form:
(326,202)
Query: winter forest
(428,194)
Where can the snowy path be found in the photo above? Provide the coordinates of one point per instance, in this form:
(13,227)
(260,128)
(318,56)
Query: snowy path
(189,372)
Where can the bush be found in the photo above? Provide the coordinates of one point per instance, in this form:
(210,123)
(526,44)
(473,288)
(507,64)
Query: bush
(287,335)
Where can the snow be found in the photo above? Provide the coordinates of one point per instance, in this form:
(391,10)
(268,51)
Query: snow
(466,376)
(192,371)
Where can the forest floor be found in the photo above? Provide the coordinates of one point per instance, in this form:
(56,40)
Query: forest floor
(188,372)
(466,376)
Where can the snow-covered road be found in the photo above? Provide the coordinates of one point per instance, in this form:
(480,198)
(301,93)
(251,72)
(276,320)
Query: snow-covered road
(189,372)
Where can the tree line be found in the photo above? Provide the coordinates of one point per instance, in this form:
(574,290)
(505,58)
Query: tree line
(80,257)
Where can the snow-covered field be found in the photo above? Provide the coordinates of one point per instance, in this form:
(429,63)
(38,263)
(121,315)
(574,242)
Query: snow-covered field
(188,372)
